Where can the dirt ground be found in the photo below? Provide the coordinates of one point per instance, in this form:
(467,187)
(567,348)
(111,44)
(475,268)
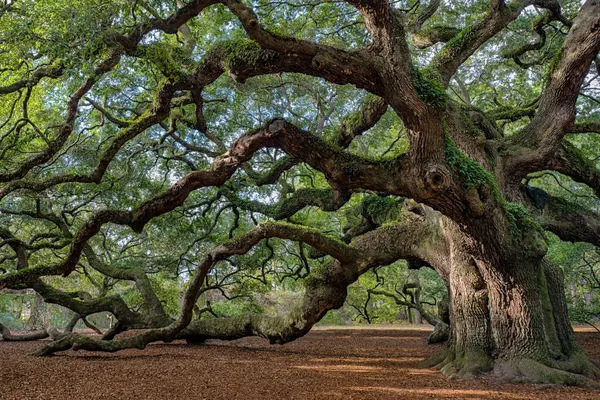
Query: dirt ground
(326,364)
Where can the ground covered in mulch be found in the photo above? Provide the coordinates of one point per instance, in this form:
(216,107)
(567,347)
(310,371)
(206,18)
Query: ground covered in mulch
(325,364)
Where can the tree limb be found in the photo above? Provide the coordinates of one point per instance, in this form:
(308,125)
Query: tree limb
(556,110)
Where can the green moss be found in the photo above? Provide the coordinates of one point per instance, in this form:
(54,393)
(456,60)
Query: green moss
(471,128)
(170,59)
(515,5)
(470,172)
(453,46)
(428,85)
(353,120)
(382,209)
(438,31)
(245,52)
(517,216)
(565,207)
(300,230)
(460,39)
(525,231)
(473,362)
(555,61)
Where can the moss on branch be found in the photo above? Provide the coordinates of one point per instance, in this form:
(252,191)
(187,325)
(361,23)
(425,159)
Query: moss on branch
(470,172)
(381,209)
(246,53)
(525,231)
(429,87)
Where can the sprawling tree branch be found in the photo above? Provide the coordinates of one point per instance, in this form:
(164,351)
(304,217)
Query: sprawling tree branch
(326,289)
(67,128)
(432,35)
(457,50)
(585,127)
(556,111)
(325,199)
(352,126)
(568,220)
(570,161)
(241,245)
(335,65)
(357,123)
(152,117)
(53,70)
(344,171)
(127,43)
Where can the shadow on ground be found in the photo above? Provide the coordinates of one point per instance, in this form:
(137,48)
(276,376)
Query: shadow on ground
(325,364)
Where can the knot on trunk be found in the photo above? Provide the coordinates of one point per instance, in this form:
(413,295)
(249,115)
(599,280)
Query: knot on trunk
(318,62)
(437,179)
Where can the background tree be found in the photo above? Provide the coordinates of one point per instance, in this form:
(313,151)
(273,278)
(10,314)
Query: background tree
(152,144)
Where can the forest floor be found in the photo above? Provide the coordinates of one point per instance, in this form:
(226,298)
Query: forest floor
(325,364)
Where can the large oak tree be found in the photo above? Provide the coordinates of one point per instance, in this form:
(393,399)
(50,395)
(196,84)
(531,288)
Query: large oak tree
(125,125)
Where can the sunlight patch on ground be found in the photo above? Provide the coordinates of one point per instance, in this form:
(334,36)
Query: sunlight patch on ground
(368,359)
(423,327)
(342,337)
(416,371)
(583,328)
(340,368)
(394,338)
(442,393)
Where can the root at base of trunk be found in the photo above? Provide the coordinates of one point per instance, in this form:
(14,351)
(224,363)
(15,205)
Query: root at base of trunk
(466,365)
(523,370)
(575,371)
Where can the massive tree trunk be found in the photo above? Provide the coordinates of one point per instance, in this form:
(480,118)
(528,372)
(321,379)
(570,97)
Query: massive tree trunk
(509,316)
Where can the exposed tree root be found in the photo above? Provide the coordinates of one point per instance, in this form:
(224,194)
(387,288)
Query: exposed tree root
(434,361)
(467,364)
(578,363)
(277,330)
(576,371)
(523,370)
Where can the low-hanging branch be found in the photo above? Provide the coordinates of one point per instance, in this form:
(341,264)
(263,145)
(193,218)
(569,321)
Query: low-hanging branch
(239,245)
(325,288)
(571,161)
(566,219)
(8,336)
